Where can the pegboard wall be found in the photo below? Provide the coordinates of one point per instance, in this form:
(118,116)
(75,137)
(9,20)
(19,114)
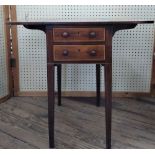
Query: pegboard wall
(3,66)
(132,49)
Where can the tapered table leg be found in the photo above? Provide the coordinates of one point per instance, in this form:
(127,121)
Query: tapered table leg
(98,67)
(108,102)
(59,83)
(50,80)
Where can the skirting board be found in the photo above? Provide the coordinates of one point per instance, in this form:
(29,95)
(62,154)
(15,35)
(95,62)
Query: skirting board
(3,99)
(85,94)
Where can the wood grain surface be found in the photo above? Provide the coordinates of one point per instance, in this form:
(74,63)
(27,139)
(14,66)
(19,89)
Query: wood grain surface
(79,52)
(78,34)
(78,123)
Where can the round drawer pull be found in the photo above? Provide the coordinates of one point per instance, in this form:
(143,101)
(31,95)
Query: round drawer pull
(92,53)
(65,53)
(65,34)
(92,34)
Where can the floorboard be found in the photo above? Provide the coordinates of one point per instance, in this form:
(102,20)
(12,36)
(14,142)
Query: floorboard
(78,123)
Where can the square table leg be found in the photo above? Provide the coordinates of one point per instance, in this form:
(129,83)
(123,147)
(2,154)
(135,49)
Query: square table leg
(50,81)
(108,102)
(98,70)
(59,83)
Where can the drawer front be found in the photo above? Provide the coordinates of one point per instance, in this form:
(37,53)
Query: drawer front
(79,52)
(78,34)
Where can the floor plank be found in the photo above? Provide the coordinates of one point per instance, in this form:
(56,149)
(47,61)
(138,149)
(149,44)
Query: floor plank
(78,123)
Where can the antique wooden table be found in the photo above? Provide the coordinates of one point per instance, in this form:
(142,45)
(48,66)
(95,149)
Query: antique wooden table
(80,42)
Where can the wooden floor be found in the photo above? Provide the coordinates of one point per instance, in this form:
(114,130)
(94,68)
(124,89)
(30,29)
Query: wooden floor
(78,123)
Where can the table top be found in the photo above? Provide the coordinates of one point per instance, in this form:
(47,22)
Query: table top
(81,22)
(116,24)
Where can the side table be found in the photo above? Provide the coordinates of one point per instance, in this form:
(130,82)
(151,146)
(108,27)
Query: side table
(80,42)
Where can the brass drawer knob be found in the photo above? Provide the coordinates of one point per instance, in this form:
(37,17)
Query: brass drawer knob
(65,53)
(92,34)
(65,34)
(92,53)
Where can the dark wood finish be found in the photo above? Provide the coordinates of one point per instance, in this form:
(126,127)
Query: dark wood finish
(56,23)
(78,34)
(98,79)
(59,83)
(50,80)
(108,102)
(50,75)
(79,53)
(58,66)
(69,53)
(108,86)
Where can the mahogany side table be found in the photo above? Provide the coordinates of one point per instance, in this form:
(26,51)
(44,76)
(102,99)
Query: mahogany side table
(80,42)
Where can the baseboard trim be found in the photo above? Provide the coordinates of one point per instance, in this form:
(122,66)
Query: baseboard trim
(3,99)
(83,94)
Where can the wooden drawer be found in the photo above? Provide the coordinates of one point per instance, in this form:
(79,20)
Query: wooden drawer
(78,34)
(79,52)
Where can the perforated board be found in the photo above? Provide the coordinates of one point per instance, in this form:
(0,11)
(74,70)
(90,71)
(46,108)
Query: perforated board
(3,66)
(132,49)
